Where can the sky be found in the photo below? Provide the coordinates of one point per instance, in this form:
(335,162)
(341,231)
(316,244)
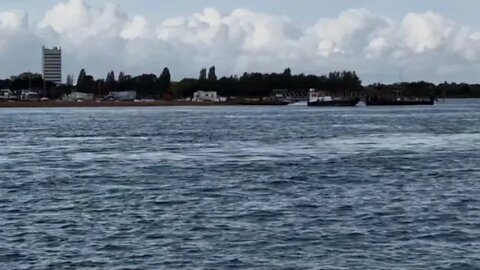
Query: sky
(382,40)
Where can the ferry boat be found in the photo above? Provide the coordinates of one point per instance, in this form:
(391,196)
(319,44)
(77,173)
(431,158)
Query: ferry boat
(319,98)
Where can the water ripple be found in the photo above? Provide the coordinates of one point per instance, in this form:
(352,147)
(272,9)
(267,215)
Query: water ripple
(240,188)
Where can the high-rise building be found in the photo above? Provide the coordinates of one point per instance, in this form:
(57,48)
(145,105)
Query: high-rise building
(52,65)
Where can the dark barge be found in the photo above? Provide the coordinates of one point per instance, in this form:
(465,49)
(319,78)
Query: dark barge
(396,97)
(399,102)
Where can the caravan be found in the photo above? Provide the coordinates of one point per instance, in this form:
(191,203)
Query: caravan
(6,94)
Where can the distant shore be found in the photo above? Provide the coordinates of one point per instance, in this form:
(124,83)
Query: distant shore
(157,103)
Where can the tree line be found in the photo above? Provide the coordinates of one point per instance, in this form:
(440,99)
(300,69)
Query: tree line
(425,89)
(146,85)
(262,84)
(247,85)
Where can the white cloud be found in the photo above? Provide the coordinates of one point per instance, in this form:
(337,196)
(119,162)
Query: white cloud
(346,34)
(420,46)
(377,47)
(13,20)
(137,28)
(69,16)
(428,31)
(76,22)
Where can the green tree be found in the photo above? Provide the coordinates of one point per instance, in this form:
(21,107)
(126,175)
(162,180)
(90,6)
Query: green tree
(121,77)
(88,85)
(164,82)
(125,82)
(145,84)
(27,80)
(203,74)
(211,74)
(110,81)
(81,77)
(69,80)
(110,77)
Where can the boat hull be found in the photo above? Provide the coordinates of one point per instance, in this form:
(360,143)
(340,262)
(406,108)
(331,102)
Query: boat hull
(335,103)
(260,102)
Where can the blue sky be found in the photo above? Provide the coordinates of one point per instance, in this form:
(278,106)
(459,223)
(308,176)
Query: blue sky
(382,40)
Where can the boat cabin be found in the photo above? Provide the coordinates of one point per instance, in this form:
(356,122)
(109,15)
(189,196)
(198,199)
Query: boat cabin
(319,95)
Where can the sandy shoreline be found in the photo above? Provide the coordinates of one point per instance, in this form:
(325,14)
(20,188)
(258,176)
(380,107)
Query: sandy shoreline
(158,103)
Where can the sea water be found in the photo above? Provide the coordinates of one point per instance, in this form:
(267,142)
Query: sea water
(241,187)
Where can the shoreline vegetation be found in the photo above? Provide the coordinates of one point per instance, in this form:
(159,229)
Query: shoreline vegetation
(248,89)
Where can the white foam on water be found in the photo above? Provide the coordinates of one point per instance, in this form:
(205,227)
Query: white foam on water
(94,138)
(156,156)
(415,142)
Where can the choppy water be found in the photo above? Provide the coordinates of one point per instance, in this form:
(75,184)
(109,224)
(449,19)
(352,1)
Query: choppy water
(241,188)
